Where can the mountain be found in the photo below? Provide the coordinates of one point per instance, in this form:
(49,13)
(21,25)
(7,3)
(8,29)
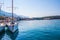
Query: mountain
(48,17)
(43,18)
(6,14)
(3,13)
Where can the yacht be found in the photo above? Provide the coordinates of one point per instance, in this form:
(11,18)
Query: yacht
(12,26)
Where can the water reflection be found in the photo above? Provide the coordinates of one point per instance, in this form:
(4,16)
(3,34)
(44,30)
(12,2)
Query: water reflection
(2,34)
(12,35)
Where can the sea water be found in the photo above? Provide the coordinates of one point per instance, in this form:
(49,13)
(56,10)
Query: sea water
(36,30)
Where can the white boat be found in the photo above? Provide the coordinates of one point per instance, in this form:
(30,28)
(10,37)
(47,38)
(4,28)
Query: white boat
(2,27)
(12,27)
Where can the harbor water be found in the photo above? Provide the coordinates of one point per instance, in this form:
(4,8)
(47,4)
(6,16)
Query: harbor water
(35,30)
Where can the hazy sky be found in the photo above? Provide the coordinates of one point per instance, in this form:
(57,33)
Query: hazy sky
(34,8)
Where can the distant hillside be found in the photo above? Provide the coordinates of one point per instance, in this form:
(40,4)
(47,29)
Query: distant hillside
(3,13)
(51,17)
(42,18)
(21,17)
(47,17)
(6,14)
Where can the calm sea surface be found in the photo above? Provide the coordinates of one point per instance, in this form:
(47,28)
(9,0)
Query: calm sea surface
(36,30)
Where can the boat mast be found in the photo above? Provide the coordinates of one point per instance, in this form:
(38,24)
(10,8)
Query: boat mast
(1,6)
(12,12)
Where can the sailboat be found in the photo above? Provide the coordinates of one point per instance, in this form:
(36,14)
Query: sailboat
(13,25)
(2,24)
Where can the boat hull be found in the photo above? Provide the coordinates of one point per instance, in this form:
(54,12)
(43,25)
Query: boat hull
(13,28)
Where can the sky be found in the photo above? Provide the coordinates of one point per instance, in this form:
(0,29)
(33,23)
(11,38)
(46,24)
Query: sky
(33,8)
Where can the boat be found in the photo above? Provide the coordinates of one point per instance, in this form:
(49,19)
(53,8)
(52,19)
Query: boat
(12,26)
(2,24)
(2,27)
